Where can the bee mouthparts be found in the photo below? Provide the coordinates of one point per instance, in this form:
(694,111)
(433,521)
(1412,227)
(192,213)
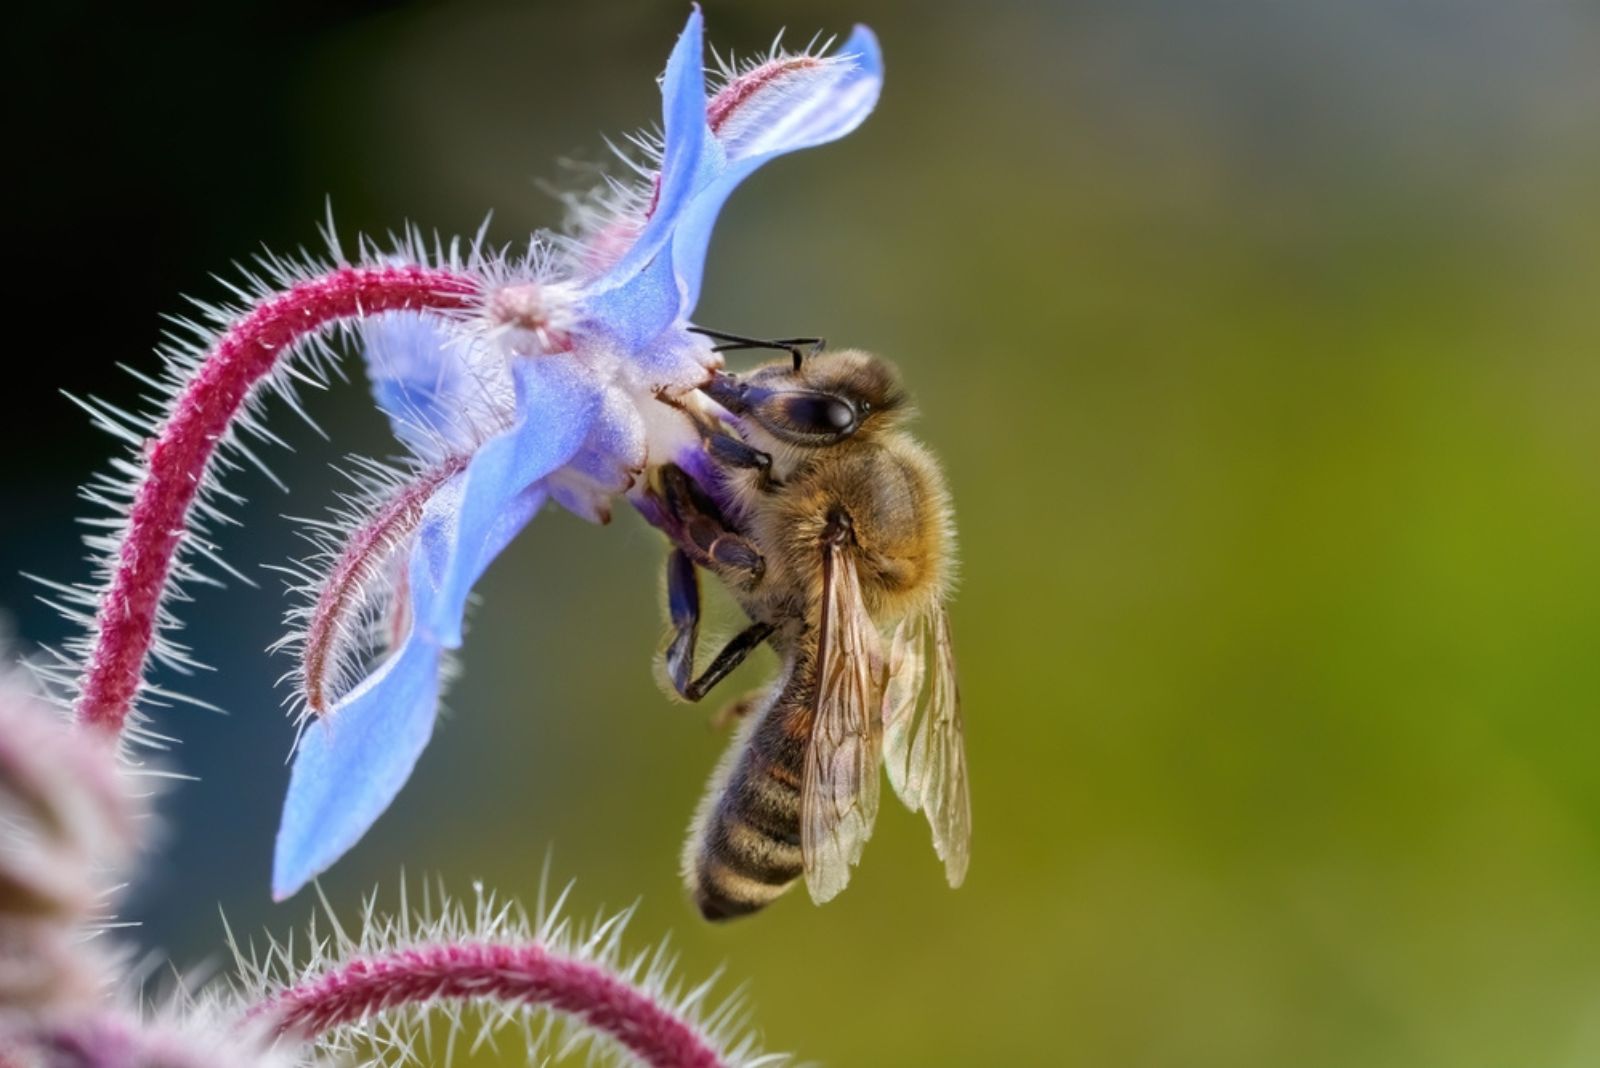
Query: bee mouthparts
(727,391)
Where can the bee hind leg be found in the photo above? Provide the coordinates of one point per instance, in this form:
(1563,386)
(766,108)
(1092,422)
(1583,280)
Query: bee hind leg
(683,610)
(739,646)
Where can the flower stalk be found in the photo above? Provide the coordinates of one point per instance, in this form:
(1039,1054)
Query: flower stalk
(177,459)
(527,975)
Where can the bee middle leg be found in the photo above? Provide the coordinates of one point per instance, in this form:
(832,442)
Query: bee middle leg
(683,608)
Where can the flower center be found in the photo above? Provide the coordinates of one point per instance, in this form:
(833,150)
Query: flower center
(537,315)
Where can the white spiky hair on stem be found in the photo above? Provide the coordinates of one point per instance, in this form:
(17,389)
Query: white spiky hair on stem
(451,973)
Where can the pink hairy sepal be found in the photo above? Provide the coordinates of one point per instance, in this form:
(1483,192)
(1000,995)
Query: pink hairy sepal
(176,459)
(368,550)
(736,92)
(505,974)
(608,246)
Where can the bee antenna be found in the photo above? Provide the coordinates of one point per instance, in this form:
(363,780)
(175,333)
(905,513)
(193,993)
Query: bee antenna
(794,346)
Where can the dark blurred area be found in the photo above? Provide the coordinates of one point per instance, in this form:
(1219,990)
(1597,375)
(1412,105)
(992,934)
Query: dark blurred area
(1260,343)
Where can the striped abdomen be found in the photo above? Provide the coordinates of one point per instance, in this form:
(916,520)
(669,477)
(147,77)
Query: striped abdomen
(746,846)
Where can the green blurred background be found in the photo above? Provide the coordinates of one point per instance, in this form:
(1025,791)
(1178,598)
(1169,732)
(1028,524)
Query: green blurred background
(1260,342)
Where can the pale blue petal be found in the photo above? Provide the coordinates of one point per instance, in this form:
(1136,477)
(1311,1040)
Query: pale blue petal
(635,314)
(556,404)
(673,357)
(684,136)
(642,296)
(418,377)
(615,447)
(352,763)
(805,112)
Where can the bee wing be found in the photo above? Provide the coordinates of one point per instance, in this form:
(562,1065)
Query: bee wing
(924,740)
(839,797)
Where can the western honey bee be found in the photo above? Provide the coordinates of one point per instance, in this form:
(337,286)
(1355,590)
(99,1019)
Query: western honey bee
(831,526)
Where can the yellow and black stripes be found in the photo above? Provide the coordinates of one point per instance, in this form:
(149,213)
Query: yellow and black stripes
(748,848)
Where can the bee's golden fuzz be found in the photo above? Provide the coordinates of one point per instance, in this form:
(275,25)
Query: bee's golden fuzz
(886,493)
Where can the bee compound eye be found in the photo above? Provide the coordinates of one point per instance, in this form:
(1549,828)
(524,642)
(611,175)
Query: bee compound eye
(819,413)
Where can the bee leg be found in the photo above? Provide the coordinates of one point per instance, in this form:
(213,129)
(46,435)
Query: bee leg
(703,533)
(731,451)
(735,559)
(732,655)
(728,450)
(685,502)
(683,609)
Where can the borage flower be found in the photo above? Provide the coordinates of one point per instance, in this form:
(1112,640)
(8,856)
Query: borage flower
(547,388)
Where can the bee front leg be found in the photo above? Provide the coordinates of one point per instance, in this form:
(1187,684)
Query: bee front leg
(729,450)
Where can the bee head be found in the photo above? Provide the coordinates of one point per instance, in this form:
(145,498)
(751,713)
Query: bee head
(824,400)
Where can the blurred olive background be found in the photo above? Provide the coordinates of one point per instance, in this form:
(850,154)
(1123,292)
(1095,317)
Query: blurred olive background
(1260,341)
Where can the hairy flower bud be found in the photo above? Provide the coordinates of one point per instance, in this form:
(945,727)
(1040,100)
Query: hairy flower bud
(66,811)
(67,820)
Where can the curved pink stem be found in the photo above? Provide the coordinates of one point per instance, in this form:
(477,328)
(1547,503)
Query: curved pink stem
(177,457)
(507,974)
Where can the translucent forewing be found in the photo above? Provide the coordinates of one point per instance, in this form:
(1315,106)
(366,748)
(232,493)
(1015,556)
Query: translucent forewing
(923,737)
(839,799)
